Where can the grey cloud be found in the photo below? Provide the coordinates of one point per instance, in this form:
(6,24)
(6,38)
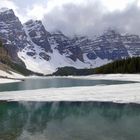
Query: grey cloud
(92,19)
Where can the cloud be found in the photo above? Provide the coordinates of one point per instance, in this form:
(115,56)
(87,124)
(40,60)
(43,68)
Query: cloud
(13,5)
(92,18)
(9,4)
(72,18)
(25,10)
(82,17)
(37,11)
(127,21)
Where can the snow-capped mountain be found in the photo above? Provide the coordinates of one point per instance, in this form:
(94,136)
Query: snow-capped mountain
(44,52)
(12,33)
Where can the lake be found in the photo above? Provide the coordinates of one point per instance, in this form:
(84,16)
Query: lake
(69,121)
(40,83)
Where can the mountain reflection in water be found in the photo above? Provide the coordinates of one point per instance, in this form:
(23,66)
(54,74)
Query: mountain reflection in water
(69,121)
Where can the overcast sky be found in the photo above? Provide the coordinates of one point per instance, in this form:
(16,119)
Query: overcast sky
(84,17)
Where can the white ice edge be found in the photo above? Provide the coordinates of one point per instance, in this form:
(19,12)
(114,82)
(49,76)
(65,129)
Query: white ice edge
(127,93)
(120,77)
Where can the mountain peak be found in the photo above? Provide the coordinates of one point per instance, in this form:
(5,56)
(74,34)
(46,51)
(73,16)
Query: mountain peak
(110,32)
(33,22)
(7,15)
(6,10)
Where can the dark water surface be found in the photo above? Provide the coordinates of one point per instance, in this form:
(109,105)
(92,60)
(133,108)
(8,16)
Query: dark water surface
(29,84)
(69,121)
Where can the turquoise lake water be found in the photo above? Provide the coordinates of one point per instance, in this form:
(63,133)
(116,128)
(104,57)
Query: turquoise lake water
(69,121)
(29,84)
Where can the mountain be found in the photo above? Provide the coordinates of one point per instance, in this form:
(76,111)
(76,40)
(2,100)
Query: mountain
(43,52)
(12,33)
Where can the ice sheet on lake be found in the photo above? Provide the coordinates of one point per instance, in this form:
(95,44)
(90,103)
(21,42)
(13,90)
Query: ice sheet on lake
(127,93)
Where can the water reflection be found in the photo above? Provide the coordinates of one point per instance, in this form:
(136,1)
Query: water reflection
(69,121)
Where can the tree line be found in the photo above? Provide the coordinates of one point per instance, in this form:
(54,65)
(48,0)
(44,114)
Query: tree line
(129,65)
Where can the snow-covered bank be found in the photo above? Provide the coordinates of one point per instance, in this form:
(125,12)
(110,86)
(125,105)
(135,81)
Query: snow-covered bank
(122,77)
(127,93)
(3,81)
(11,75)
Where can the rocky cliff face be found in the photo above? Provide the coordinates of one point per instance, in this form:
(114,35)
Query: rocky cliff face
(12,33)
(44,52)
(4,55)
(38,35)
(108,46)
(65,46)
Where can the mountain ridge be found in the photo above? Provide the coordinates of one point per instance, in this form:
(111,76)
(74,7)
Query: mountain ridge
(44,52)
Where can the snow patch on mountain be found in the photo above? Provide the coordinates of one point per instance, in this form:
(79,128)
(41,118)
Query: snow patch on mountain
(37,64)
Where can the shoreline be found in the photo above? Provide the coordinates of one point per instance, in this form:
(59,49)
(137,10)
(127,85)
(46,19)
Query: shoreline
(5,79)
(120,77)
(10,77)
(68,102)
